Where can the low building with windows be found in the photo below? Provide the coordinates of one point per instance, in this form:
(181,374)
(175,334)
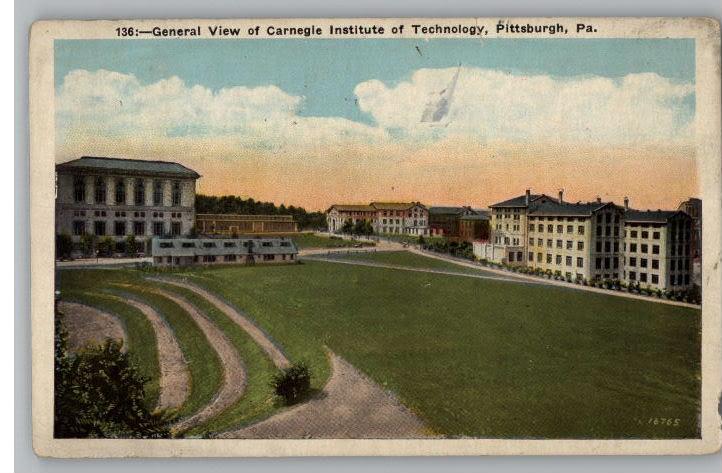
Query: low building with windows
(234,224)
(459,223)
(207,251)
(658,249)
(391,218)
(113,197)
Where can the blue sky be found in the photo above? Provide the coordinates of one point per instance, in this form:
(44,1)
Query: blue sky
(326,71)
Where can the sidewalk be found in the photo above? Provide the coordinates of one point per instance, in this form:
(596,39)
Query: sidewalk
(102,262)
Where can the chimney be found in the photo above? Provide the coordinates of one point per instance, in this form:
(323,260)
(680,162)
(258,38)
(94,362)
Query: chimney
(528,196)
(561,196)
(626,203)
(599,200)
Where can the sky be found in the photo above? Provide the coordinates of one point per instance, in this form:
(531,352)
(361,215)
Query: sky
(315,122)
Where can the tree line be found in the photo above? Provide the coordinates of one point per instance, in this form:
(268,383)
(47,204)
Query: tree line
(231,204)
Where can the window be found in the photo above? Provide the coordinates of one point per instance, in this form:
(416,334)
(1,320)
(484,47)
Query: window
(655,249)
(139,192)
(158,228)
(119,228)
(645,248)
(188,244)
(99,227)
(633,247)
(549,243)
(598,263)
(599,230)
(655,235)
(599,246)
(78,227)
(209,244)
(615,262)
(643,262)
(531,241)
(209,258)
(560,228)
(549,258)
(550,228)
(540,228)
(157,192)
(268,257)
(229,258)
(686,278)
(607,246)
(138,228)
(570,245)
(559,244)
(607,264)
(511,256)
(569,260)
(673,265)
(79,188)
(559,259)
(538,257)
(120,192)
(643,277)
(608,230)
(531,227)
(634,233)
(632,261)
(100,191)
(655,279)
(175,228)
(580,245)
(531,256)
(645,234)
(176,194)
(616,247)
(166,244)
(580,262)
(570,228)
(671,280)
(580,229)
(632,276)
(540,242)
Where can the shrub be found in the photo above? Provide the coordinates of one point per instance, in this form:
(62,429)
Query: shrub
(106,247)
(63,246)
(292,383)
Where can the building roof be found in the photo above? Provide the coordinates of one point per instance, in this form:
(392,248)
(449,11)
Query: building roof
(520,201)
(245,217)
(448,210)
(579,209)
(132,166)
(352,207)
(476,216)
(222,246)
(651,216)
(394,205)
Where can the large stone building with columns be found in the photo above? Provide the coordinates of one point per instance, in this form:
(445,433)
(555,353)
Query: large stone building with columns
(113,197)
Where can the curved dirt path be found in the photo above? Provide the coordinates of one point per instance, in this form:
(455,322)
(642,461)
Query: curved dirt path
(174,382)
(258,335)
(87,325)
(234,373)
(351,406)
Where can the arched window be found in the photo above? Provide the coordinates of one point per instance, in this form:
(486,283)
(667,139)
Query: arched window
(139,192)
(79,188)
(157,192)
(100,191)
(120,192)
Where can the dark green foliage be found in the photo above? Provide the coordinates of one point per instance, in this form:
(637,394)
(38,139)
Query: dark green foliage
(230,204)
(63,246)
(106,247)
(88,244)
(292,383)
(347,226)
(99,394)
(363,227)
(131,245)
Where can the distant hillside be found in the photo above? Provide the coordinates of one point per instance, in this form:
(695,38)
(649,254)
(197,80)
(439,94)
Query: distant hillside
(231,204)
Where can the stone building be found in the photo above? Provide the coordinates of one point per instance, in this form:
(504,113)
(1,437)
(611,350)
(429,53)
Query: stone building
(234,225)
(693,208)
(211,251)
(113,197)
(391,218)
(658,249)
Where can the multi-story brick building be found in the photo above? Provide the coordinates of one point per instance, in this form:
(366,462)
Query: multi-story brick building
(234,224)
(113,197)
(459,223)
(394,218)
(658,249)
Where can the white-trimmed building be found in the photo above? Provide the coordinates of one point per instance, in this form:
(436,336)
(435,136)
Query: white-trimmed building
(207,251)
(391,218)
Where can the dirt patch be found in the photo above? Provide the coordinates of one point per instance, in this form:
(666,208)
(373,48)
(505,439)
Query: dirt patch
(89,326)
(350,406)
(234,374)
(258,335)
(174,382)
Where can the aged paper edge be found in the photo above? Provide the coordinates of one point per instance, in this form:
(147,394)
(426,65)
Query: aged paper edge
(705,31)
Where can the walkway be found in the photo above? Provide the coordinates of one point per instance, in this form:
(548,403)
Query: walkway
(87,325)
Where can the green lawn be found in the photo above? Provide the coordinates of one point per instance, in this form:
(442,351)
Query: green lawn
(409,260)
(311,240)
(476,357)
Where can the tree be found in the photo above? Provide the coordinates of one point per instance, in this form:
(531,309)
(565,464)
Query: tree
(88,244)
(347,226)
(99,393)
(106,246)
(292,383)
(131,246)
(63,246)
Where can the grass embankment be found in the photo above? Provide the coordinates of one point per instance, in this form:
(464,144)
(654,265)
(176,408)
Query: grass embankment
(313,240)
(485,358)
(257,400)
(203,363)
(409,260)
(141,341)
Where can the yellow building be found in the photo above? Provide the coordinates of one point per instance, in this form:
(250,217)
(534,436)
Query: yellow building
(234,224)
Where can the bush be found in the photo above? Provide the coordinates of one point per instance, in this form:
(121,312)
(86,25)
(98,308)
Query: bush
(63,246)
(293,383)
(99,393)
(106,247)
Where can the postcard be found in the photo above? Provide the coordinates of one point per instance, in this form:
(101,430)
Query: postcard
(323,237)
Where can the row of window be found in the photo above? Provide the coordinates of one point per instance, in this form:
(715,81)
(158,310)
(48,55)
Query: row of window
(560,228)
(120,228)
(644,234)
(557,259)
(101,191)
(654,278)
(559,243)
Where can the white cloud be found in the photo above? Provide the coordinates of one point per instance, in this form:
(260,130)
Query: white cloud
(109,103)
(493,105)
